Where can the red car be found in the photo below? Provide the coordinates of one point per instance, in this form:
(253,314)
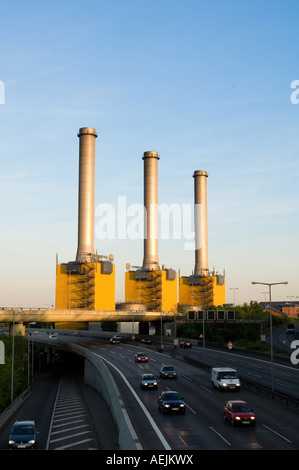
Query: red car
(141,357)
(238,412)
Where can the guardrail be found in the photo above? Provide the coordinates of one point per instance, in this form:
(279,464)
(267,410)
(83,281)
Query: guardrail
(282,398)
(249,384)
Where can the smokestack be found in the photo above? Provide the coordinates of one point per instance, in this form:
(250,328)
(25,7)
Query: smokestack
(201,223)
(85,251)
(150,259)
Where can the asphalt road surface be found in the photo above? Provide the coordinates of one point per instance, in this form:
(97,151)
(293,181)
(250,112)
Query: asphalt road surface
(201,428)
(69,415)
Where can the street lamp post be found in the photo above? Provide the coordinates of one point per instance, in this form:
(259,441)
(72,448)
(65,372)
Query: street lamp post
(161,325)
(12,357)
(234,289)
(31,323)
(203,296)
(203,325)
(270,284)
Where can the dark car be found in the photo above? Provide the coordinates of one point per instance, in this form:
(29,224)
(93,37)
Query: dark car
(186,343)
(171,402)
(114,340)
(148,381)
(141,357)
(238,412)
(22,435)
(168,372)
(146,341)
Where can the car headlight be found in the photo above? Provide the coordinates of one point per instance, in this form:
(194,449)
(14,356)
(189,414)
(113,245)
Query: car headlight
(181,405)
(237,417)
(167,406)
(32,441)
(11,442)
(252,417)
(224,385)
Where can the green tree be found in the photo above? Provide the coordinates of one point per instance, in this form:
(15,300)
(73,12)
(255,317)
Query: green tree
(20,369)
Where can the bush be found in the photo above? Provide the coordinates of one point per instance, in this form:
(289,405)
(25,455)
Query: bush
(20,369)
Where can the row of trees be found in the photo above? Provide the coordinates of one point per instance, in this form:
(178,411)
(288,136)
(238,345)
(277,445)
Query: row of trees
(20,379)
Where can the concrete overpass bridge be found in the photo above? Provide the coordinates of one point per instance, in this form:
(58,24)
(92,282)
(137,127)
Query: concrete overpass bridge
(16,317)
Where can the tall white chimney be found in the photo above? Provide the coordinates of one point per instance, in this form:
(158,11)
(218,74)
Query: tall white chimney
(85,251)
(201,223)
(150,259)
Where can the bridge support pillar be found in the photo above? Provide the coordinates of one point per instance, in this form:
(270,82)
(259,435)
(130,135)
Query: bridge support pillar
(16,329)
(144,328)
(160,328)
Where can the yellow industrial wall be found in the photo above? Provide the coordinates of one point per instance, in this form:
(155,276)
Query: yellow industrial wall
(169,294)
(63,288)
(190,294)
(104,290)
(67,286)
(135,291)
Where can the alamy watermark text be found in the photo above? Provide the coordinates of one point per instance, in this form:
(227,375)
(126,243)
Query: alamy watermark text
(175,221)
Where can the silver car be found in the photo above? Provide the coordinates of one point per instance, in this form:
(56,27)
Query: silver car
(148,381)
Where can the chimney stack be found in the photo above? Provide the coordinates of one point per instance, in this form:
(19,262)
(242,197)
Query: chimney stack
(201,223)
(150,259)
(85,251)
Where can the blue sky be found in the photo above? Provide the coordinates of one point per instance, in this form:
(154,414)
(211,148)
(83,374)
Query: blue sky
(206,84)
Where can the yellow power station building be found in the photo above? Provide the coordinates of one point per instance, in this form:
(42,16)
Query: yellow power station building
(202,291)
(157,289)
(88,285)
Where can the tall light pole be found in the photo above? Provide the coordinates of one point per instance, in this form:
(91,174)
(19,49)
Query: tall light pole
(270,284)
(203,296)
(203,324)
(265,298)
(234,289)
(161,326)
(12,357)
(31,323)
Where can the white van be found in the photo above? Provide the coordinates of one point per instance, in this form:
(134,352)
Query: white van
(225,378)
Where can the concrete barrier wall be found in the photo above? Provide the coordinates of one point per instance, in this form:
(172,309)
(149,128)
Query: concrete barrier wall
(97,375)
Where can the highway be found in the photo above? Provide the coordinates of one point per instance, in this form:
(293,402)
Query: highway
(203,426)
(68,414)
(253,369)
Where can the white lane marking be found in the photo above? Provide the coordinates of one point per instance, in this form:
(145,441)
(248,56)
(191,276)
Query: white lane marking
(255,375)
(71,429)
(220,435)
(189,407)
(146,412)
(69,436)
(73,444)
(280,435)
(182,440)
